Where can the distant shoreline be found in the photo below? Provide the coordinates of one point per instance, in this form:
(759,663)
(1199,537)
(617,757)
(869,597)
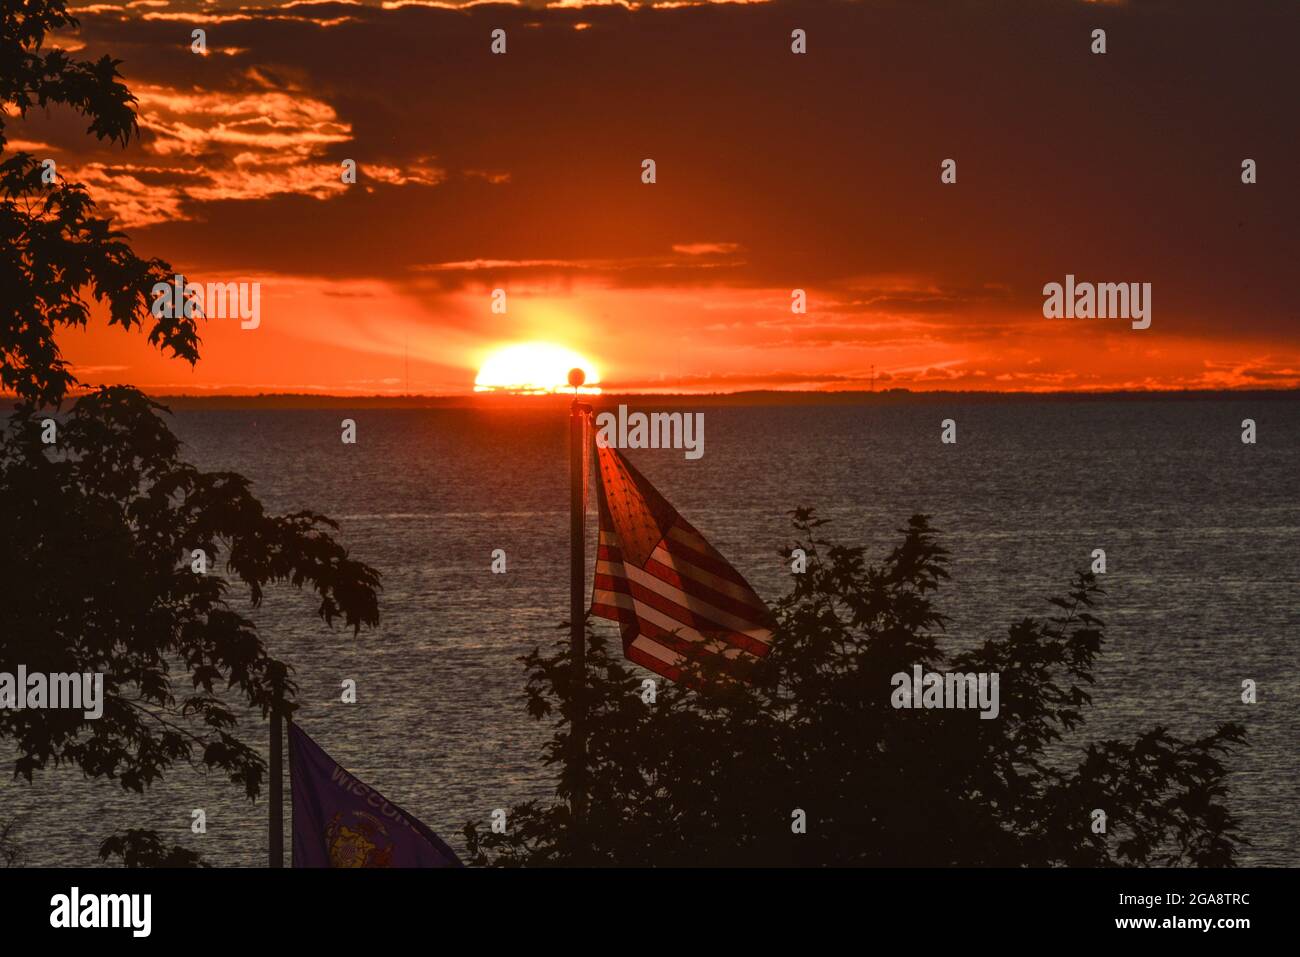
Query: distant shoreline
(288,400)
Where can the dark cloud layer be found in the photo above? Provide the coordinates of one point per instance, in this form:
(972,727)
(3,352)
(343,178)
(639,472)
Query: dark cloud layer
(813,171)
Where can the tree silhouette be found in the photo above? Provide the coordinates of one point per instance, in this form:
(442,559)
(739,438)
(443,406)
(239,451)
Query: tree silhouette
(713,774)
(99,526)
(52,247)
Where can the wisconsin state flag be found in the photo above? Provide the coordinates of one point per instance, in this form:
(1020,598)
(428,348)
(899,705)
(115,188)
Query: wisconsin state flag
(675,598)
(340,822)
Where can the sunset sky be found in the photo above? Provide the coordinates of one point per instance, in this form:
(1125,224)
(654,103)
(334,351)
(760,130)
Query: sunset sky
(775,171)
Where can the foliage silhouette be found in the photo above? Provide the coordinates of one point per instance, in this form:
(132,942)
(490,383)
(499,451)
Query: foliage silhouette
(713,775)
(139,848)
(52,247)
(98,528)
(11,855)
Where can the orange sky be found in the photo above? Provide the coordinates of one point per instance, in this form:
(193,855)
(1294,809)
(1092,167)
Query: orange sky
(775,171)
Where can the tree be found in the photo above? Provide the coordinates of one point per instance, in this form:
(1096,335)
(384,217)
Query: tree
(52,247)
(101,526)
(713,773)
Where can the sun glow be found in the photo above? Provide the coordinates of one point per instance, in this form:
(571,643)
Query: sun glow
(532,368)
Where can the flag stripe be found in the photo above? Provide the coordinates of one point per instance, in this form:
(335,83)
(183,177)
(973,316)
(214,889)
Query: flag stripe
(694,598)
(680,543)
(682,579)
(662,559)
(667,646)
(636,653)
(681,606)
(665,655)
(724,654)
(668,617)
(669,601)
(670,648)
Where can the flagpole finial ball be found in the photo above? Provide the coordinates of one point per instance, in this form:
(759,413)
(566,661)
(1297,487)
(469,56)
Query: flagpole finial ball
(577,377)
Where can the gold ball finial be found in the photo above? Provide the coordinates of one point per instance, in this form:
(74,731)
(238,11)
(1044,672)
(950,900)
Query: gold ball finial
(577,377)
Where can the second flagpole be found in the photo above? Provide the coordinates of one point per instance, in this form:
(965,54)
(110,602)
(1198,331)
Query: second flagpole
(577,570)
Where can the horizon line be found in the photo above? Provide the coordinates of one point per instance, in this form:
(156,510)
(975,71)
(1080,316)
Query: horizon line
(755,396)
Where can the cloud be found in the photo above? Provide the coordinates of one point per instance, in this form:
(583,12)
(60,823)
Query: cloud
(705,249)
(29,146)
(775,172)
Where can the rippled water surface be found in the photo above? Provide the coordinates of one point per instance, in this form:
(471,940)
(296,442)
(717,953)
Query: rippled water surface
(1200,533)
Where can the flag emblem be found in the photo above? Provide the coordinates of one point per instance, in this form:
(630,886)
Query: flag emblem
(364,844)
(675,598)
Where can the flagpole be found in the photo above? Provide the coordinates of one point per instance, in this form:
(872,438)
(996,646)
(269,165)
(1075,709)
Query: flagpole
(276,823)
(577,570)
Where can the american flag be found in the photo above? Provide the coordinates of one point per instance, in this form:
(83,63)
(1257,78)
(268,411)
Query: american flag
(674,597)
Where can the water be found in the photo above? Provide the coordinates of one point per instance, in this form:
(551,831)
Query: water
(1200,533)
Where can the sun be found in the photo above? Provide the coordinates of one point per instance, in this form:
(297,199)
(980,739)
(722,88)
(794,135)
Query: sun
(532,368)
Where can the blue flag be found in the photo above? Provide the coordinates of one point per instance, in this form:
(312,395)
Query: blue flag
(340,822)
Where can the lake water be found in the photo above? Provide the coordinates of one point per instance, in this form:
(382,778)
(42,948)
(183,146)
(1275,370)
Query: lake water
(1200,532)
